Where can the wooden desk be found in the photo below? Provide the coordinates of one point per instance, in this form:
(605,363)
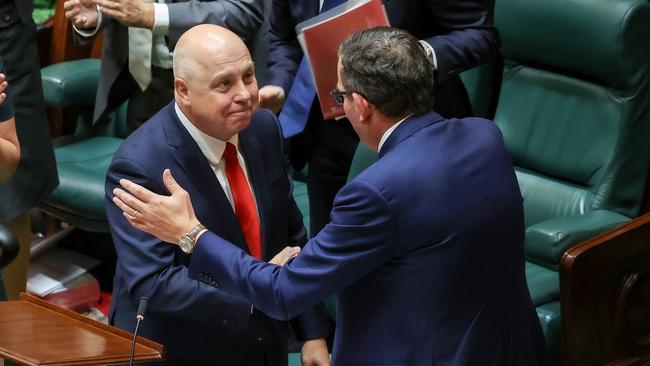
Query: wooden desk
(34,332)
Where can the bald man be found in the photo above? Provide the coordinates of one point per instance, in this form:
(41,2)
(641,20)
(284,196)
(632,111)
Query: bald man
(228,154)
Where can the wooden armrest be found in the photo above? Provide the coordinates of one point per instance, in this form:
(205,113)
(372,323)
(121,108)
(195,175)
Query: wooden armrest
(605,296)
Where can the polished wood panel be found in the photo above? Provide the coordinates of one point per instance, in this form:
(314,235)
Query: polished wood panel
(605,292)
(34,332)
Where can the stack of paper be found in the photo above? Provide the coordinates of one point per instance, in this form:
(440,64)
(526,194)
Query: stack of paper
(54,269)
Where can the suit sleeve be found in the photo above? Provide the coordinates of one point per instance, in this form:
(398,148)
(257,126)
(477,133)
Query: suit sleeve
(285,53)
(466,36)
(243,17)
(149,266)
(360,237)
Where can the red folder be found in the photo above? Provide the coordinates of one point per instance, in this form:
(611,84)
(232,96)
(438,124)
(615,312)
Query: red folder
(321,37)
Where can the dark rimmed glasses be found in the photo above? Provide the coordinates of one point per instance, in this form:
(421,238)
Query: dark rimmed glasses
(339,95)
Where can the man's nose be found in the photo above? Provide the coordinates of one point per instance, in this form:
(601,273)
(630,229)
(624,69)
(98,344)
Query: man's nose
(241,92)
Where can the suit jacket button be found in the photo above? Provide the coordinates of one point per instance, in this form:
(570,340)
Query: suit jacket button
(260,339)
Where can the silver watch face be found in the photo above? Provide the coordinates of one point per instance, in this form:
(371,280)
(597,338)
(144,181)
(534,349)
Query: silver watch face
(185,243)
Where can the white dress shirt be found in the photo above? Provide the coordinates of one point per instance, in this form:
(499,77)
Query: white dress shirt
(213,149)
(389,131)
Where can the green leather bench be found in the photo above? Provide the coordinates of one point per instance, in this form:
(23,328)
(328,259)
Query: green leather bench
(82,158)
(573,110)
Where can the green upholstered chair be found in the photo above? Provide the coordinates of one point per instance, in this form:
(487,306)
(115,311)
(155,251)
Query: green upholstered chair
(8,251)
(574,110)
(82,158)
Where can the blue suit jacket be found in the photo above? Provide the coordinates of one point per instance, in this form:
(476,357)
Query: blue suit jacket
(460,31)
(424,251)
(199,324)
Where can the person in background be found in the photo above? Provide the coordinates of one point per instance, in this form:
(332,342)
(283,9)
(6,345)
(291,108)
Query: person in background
(36,176)
(457,34)
(139,37)
(425,248)
(228,152)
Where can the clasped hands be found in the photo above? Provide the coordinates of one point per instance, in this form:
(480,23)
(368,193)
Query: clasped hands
(132,13)
(167,217)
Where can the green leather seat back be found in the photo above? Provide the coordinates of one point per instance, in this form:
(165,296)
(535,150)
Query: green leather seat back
(574,110)
(83,158)
(573,105)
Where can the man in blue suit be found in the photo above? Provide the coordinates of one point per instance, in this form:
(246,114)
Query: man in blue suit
(213,127)
(424,248)
(459,35)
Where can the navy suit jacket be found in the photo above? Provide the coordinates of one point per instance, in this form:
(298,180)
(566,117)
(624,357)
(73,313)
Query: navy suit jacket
(199,324)
(424,251)
(461,33)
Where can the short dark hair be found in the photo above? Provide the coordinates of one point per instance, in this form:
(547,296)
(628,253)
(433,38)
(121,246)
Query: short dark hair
(390,68)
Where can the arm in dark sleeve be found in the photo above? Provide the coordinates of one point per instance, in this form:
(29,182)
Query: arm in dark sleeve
(285,53)
(243,17)
(360,237)
(150,267)
(466,34)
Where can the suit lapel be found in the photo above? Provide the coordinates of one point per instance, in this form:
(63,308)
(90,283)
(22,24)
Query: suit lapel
(196,167)
(249,145)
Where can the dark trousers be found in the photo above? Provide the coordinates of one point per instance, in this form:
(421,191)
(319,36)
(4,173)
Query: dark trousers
(328,148)
(142,104)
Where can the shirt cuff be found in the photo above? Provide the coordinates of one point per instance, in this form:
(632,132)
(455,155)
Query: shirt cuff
(161,19)
(90,32)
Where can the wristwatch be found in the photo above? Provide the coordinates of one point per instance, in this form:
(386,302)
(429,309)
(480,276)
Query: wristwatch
(188,241)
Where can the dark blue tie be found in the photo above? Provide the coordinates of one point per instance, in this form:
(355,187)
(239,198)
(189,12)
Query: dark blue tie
(293,117)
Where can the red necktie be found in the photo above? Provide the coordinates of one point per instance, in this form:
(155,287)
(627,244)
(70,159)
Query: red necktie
(244,204)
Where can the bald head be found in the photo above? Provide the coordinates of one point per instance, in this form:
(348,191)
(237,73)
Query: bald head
(199,47)
(214,81)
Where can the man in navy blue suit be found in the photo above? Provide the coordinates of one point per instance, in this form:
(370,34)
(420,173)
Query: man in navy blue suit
(228,155)
(424,248)
(459,35)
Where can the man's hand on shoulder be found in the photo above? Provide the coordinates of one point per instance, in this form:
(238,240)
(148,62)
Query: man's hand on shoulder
(314,353)
(131,13)
(82,14)
(272,97)
(165,217)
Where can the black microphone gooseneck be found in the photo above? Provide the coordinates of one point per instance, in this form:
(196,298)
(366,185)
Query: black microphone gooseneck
(142,308)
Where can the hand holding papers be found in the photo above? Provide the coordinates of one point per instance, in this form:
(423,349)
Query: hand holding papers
(321,36)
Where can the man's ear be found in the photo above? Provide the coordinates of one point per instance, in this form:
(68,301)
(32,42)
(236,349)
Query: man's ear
(363,106)
(181,91)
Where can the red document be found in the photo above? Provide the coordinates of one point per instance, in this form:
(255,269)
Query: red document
(320,38)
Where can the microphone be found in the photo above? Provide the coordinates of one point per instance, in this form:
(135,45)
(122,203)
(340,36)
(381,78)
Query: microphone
(142,308)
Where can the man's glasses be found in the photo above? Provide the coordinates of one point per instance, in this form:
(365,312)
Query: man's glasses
(339,95)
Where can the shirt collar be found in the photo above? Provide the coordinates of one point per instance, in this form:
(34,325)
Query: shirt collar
(392,128)
(211,147)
